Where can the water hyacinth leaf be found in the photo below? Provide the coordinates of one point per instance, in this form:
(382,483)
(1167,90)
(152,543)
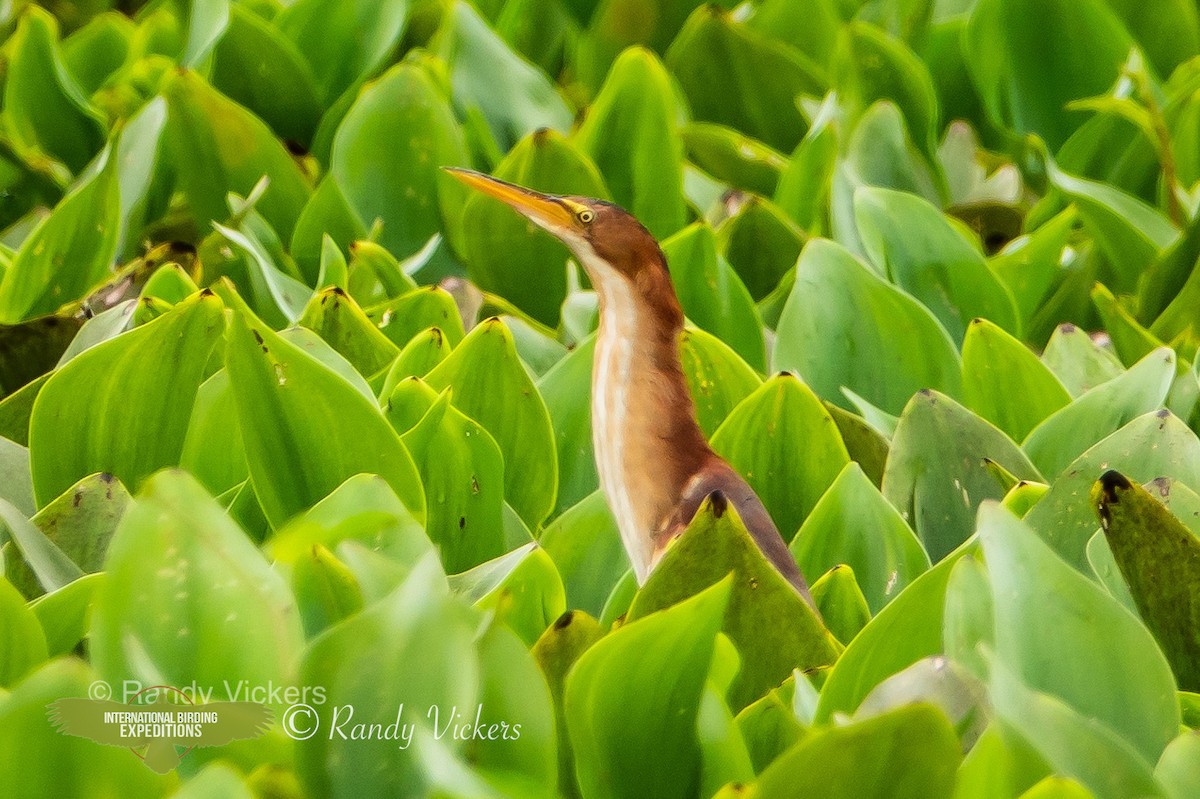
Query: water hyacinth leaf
(1100,642)
(841,603)
(509,255)
(1129,233)
(78,525)
(804,187)
(523,102)
(422,635)
(292,464)
(1005,383)
(69,252)
(64,614)
(867,446)
(761,244)
(853,524)
(79,765)
(1069,741)
(276,295)
(1029,264)
(712,295)
(326,590)
(717,378)
(914,244)
(870,65)
(255,65)
(713,545)
(733,157)
(400,125)
(821,329)
(584,544)
(17,484)
(119,417)
(571,417)
(317,347)
(172,547)
(1160,560)
(95,51)
(936,475)
(343,45)
(1078,361)
(630,133)
(1066,434)
(426,350)
(490,385)
(25,643)
(420,309)
(337,319)
(462,470)
(218,147)
(327,213)
(783,441)
(522,588)
(376,276)
(907,629)
(713,56)
(45,107)
(1024,88)
(908,752)
(50,567)
(638,690)
(1177,770)
(363,511)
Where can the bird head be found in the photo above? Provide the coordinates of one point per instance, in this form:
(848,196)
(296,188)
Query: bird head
(606,239)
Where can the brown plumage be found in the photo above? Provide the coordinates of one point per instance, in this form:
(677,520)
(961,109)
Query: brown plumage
(655,465)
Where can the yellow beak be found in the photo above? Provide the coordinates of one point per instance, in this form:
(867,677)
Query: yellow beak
(545,210)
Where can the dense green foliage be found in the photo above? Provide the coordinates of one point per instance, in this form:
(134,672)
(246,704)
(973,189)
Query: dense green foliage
(281,403)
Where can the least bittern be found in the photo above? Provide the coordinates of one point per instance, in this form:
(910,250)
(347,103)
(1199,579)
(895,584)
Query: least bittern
(655,465)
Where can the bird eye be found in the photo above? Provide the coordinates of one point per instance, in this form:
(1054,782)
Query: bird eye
(586,216)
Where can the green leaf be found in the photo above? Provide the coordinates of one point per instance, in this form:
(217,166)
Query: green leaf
(400,125)
(68,252)
(491,386)
(714,58)
(36,760)
(1024,86)
(1178,770)
(585,546)
(714,544)
(907,629)
(343,45)
(423,637)
(638,690)
(923,254)
(217,147)
(462,470)
(337,319)
(733,157)
(521,588)
(327,213)
(45,108)
(908,752)
(821,335)
(157,618)
(1160,560)
(570,410)
(326,591)
(761,244)
(1090,631)
(712,295)
(523,102)
(510,256)
(298,406)
(1005,383)
(24,642)
(1078,361)
(255,65)
(630,132)
(118,416)
(840,602)
(786,445)
(17,482)
(853,524)
(1066,434)
(936,475)
(420,309)
(64,613)
(1070,742)
(717,378)
(1030,264)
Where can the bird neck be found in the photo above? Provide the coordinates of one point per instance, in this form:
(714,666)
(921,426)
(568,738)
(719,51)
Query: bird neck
(648,444)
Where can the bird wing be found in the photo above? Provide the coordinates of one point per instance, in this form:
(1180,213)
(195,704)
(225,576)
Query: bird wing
(235,721)
(84,718)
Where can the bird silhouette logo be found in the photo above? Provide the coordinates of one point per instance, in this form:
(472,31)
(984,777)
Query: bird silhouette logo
(160,733)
